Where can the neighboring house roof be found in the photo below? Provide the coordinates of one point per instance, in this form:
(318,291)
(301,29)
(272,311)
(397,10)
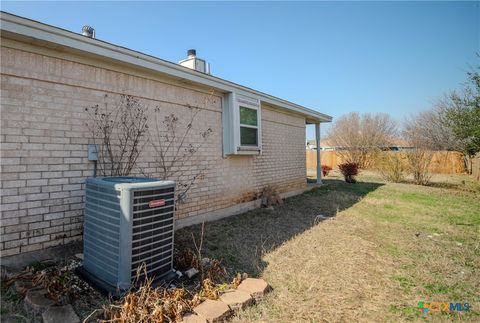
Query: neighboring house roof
(323,143)
(43,34)
(397,142)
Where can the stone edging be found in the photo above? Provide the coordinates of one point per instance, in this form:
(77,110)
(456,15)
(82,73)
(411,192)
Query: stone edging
(250,291)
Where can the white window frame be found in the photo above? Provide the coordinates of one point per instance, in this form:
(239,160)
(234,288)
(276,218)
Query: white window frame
(231,124)
(249,104)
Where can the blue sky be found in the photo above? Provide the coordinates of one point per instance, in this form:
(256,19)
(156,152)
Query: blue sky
(335,57)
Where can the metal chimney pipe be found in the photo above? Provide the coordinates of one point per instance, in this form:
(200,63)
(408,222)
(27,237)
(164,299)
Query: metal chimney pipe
(88,31)
(191,53)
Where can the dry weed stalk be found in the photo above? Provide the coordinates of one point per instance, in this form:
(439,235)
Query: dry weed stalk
(210,269)
(198,248)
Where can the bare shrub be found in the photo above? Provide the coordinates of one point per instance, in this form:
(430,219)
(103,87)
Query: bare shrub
(270,196)
(175,153)
(391,166)
(198,248)
(356,137)
(419,160)
(420,157)
(118,128)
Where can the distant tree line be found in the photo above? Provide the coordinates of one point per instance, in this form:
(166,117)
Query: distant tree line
(453,124)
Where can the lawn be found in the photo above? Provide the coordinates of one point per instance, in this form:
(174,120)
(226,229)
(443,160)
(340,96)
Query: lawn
(385,248)
(364,252)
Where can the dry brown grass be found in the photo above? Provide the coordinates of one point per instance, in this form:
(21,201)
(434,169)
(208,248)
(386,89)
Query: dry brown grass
(329,273)
(389,247)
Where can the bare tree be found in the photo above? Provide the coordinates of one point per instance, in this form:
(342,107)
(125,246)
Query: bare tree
(175,152)
(357,137)
(118,128)
(431,130)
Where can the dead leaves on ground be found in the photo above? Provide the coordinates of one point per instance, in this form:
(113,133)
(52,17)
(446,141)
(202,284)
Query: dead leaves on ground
(163,304)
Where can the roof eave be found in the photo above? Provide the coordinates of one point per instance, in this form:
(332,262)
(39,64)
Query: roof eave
(12,25)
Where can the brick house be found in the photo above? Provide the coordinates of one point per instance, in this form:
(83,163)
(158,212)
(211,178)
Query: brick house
(50,75)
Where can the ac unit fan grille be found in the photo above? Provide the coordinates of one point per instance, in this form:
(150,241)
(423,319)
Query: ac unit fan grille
(152,229)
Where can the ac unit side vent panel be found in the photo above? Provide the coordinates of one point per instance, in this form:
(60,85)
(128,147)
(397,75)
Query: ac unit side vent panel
(101,232)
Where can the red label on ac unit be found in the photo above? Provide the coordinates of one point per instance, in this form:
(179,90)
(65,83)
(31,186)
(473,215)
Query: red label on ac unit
(156,203)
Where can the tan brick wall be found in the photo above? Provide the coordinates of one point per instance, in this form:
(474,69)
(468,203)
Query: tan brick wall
(44,144)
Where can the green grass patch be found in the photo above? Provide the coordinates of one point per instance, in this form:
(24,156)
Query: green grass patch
(409,313)
(405,282)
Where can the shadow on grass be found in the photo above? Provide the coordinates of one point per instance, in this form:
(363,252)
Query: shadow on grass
(240,241)
(450,186)
(467,186)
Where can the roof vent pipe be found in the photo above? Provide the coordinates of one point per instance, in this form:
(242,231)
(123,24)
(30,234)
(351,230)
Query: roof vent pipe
(88,31)
(191,53)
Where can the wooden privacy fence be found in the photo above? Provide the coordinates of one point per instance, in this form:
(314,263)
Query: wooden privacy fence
(475,167)
(445,162)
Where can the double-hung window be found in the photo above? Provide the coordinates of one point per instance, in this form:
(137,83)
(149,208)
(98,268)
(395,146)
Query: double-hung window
(248,126)
(242,125)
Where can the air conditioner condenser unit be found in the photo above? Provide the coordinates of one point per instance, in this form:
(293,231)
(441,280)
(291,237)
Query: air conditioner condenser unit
(128,224)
